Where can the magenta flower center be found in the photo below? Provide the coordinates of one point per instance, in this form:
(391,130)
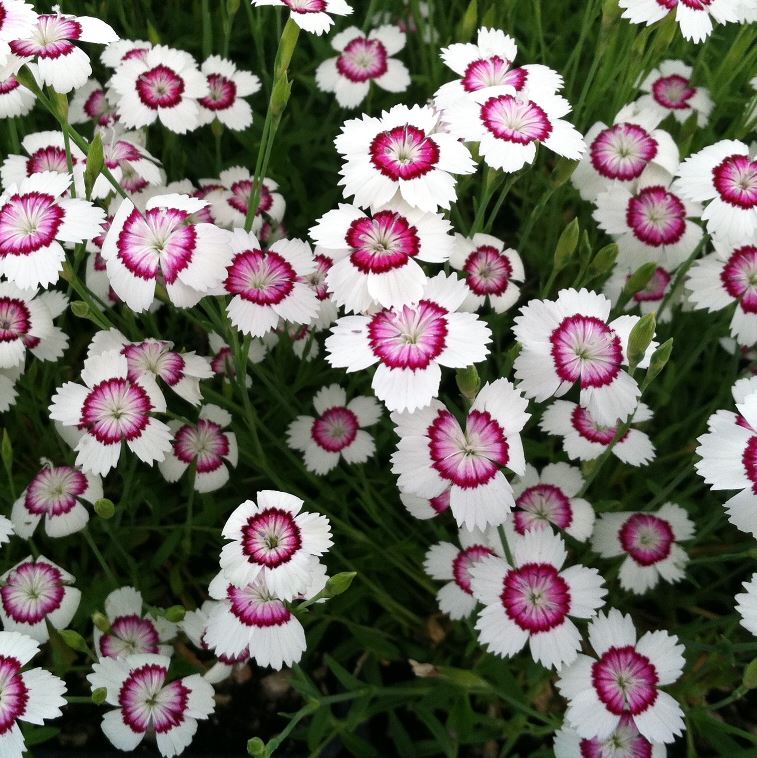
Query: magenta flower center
(585,349)
(204,443)
(470,458)
(14,695)
(147,701)
(29,223)
(305,6)
(656,217)
(590,430)
(54,491)
(335,429)
(50,158)
(362,59)
(160,87)
(263,278)
(541,505)
(514,120)
(739,277)
(735,179)
(411,337)
(270,538)
(749,460)
(31,592)
(486,72)
(404,153)
(673,92)
(317,279)
(15,319)
(254,606)
(223,93)
(382,243)
(130,635)
(158,242)
(624,742)
(536,597)
(646,538)
(488,270)
(463,563)
(622,151)
(115,410)
(154,357)
(49,39)
(625,681)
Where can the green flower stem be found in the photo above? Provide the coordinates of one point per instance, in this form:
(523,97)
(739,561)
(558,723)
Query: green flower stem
(99,556)
(276,106)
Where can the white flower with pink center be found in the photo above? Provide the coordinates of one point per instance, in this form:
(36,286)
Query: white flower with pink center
(230,206)
(402,151)
(111,409)
(132,166)
(694,17)
(32,696)
(746,605)
(452,564)
(34,593)
(34,219)
(313,16)
(45,151)
(162,245)
(650,225)
(363,58)
(130,630)
(15,99)
(156,359)
(632,152)
(487,64)
(90,104)
(621,682)
(207,445)
(534,599)
(411,343)
(375,254)
(650,298)
(508,125)
(669,91)
(336,432)
(424,508)
(649,542)
(550,498)
(57,494)
(26,323)
(144,701)
(61,64)
(228,87)
(725,277)
(728,452)
(163,84)
(624,741)
(252,621)
(585,439)
(723,176)
(195,626)
(268,285)
(491,269)
(435,454)
(274,541)
(571,340)
(122,50)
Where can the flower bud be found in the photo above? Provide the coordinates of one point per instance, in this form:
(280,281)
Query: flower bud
(100,620)
(640,338)
(604,260)
(468,382)
(104,508)
(175,613)
(338,583)
(567,244)
(750,675)
(74,640)
(658,361)
(95,163)
(99,695)
(257,748)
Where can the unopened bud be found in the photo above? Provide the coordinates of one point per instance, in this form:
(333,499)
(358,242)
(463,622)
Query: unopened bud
(338,583)
(658,361)
(99,695)
(175,613)
(74,640)
(104,508)
(100,620)
(640,338)
(567,244)
(468,382)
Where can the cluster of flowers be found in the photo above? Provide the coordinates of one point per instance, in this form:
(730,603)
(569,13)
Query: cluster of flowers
(398,290)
